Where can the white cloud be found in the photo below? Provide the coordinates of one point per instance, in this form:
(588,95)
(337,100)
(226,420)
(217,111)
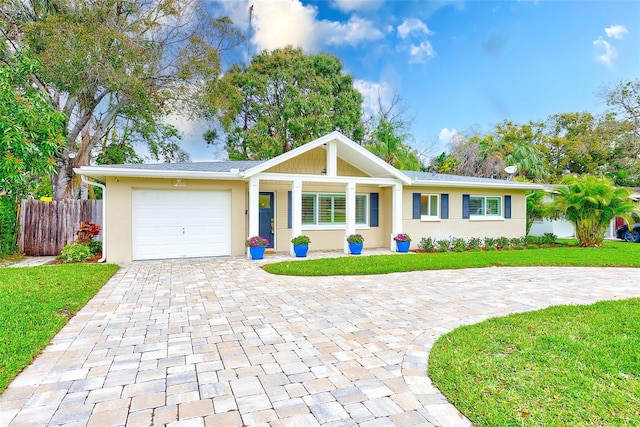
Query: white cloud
(412,25)
(352,32)
(616,31)
(372,94)
(278,23)
(447,136)
(350,5)
(416,30)
(420,53)
(610,53)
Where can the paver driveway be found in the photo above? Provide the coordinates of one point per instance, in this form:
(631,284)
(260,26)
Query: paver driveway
(220,342)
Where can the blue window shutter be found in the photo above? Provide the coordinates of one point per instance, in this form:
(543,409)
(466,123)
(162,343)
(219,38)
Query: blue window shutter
(507,206)
(289,215)
(466,208)
(373,209)
(416,205)
(444,206)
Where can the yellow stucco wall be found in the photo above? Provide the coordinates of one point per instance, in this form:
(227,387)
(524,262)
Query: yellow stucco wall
(119,214)
(119,211)
(456,226)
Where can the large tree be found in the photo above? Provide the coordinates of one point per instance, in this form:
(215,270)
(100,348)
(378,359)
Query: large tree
(283,99)
(388,133)
(624,102)
(111,63)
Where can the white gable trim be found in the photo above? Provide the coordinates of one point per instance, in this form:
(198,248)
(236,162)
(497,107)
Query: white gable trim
(341,140)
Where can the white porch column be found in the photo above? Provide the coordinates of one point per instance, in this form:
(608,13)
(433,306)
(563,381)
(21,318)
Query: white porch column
(332,158)
(350,213)
(254,208)
(296,212)
(396,214)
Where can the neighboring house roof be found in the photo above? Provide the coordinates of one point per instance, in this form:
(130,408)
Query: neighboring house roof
(347,150)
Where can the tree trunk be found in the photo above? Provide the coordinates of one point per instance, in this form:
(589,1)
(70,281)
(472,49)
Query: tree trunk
(66,185)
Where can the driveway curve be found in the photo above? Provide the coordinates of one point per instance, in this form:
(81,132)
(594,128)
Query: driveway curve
(220,342)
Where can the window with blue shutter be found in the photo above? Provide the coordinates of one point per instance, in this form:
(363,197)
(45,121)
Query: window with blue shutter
(507,206)
(416,205)
(466,208)
(373,209)
(444,206)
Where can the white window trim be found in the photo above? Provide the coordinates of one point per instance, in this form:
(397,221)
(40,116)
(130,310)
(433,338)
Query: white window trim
(337,226)
(431,218)
(476,217)
(485,218)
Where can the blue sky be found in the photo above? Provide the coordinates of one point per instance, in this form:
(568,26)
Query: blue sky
(457,65)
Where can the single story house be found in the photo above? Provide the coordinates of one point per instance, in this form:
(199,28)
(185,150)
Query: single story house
(327,189)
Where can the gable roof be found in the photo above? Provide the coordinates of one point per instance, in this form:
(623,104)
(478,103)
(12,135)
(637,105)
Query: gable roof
(347,150)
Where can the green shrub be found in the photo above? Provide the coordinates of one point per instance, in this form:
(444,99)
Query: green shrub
(474,243)
(444,245)
(490,248)
(8,226)
(427,244)
(95,246)
(517,241)
(459,245)
(489,242)
(502,242)
(77,252)
(545,239)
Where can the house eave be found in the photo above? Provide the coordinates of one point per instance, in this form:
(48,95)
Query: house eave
(101,174)
(471,184)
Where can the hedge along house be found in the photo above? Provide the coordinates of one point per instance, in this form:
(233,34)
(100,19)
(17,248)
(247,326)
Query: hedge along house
(327,189)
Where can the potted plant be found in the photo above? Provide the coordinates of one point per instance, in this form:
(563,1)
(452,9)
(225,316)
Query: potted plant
(301,245)
(356,242)
(257,245)
(403,242)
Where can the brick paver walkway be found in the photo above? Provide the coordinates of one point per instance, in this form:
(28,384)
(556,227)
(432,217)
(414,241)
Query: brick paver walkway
(219,342)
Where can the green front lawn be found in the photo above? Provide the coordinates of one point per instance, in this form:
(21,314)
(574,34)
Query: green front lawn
(612,254)
(36,302)
(562,366)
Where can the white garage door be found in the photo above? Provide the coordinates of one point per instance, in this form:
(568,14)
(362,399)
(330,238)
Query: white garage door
(181,224)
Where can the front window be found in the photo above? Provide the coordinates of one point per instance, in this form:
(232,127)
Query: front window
(331,209)
(428,206)
(485,206)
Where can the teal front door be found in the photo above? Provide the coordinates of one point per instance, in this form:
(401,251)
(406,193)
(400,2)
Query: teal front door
(266,217)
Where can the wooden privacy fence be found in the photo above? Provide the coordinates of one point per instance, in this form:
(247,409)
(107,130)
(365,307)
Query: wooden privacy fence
(46,227)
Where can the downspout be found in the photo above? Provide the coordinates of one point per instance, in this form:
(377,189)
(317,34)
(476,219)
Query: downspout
(104,215)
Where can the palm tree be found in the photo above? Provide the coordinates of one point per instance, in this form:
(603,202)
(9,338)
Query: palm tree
(590,203)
